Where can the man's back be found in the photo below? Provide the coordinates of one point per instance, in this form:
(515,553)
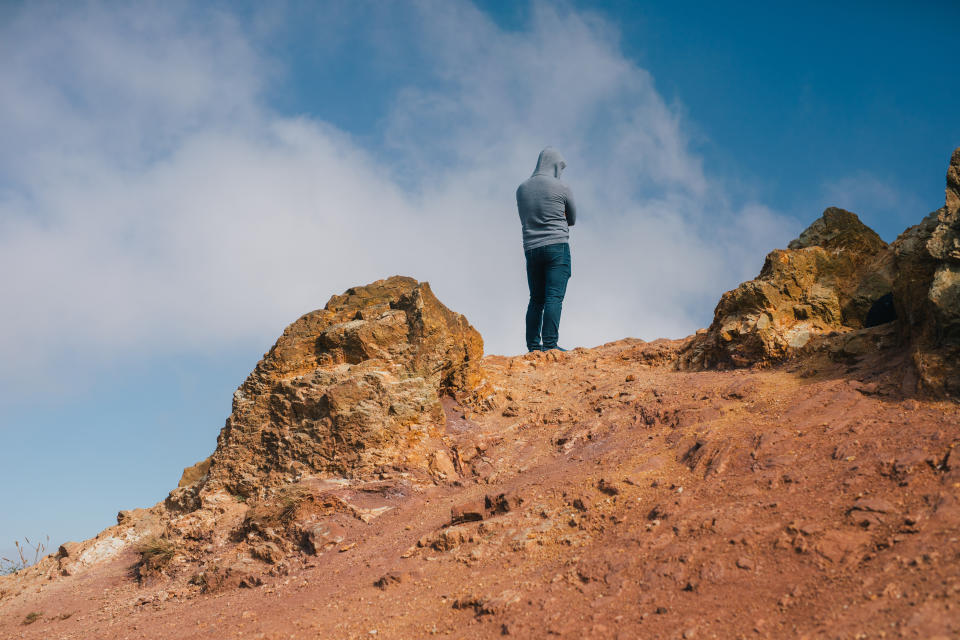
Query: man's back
(545,204)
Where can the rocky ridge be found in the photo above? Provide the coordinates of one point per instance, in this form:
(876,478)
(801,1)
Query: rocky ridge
(786,472)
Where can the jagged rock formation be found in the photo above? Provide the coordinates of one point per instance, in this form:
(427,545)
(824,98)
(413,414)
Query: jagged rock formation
(349,390)
(824,282)
(927,290)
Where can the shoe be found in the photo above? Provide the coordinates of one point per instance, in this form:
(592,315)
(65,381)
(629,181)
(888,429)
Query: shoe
(536,350)
(552,349)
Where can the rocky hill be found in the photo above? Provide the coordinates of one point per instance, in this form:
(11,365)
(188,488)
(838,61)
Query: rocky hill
(787,472)
(352,390)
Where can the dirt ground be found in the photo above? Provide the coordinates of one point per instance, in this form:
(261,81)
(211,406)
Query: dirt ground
(606,496)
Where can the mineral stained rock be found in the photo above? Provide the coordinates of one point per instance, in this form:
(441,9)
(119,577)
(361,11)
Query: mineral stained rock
(824,282)
(194,474)
(348,391)
(926,291)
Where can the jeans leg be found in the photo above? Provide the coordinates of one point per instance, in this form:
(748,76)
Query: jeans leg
(536,283)
(557,272)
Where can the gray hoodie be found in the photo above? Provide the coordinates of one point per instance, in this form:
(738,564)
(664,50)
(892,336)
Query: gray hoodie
(546,204)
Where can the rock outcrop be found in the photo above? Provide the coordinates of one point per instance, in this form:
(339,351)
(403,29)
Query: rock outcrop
(350,390)
(825,281)
(927,291)
(838,277)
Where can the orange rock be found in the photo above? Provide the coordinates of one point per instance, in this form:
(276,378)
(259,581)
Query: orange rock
(927,291)
(824,282)
(348,390)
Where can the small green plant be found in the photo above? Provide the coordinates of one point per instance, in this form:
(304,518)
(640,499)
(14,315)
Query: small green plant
(32,617)
(24,551)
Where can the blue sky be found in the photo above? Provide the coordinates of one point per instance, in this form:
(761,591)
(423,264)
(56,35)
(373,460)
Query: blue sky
(180,183)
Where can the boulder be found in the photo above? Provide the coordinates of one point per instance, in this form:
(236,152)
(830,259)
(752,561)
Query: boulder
(826,281)
(349,390)
(183,499)
(194,473)
(926,291)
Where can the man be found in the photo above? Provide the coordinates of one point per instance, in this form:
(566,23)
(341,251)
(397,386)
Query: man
(546,213)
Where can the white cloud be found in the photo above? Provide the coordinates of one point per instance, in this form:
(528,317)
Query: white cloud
(151,201)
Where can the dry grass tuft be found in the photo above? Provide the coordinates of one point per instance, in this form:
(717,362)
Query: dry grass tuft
(277,513)
(290,501)
(156,552)
(8,566)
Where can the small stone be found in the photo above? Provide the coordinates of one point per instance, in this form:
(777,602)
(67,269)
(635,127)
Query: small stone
(441,466)
(470,511)
(386,580)
(746,563)
(659,512)
(511,411)
(608,488)
(497,504)
(323,535)
(268,552)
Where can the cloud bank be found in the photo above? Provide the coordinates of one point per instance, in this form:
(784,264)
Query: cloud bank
(153,201)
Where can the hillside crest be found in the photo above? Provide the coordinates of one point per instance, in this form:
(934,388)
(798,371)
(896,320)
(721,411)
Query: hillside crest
(776,473)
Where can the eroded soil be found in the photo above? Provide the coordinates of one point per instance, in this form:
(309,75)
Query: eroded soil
(603,495)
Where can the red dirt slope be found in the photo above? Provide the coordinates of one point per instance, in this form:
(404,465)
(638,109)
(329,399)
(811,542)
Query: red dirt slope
(607,496)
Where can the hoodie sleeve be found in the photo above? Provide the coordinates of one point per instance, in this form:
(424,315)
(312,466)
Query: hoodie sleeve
(571,209)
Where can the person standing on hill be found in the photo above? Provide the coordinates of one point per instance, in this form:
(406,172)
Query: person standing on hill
(546,214)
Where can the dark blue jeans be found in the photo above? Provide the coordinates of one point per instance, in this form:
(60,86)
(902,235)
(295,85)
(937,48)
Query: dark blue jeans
(548,269)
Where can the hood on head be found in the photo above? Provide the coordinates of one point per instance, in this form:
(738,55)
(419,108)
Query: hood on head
(550,163)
